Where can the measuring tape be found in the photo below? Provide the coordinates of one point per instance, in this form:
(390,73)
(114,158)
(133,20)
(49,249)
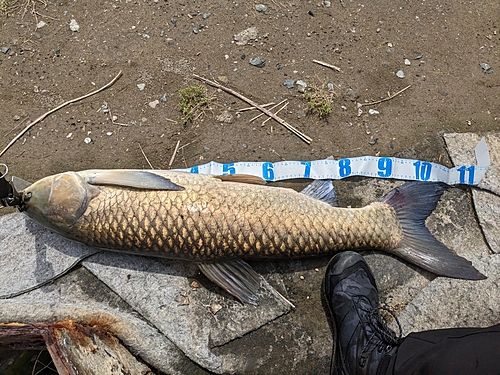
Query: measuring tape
(369,166)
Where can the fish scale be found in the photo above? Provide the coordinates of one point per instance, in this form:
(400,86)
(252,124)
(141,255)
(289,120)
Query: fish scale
(187,225)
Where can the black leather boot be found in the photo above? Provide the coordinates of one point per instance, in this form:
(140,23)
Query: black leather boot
(361,338)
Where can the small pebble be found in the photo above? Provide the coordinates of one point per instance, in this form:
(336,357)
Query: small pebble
(87,140)
(206,15)
(104,108)
(195,30)
(407,62)
(163,98)
(400,74)
(260,7)
(245,36)
(301,277)
(245,145)
(40,24)
(69,135)
(109,133)
(289,83)
(327,4)
(373,112)
(17,118)
(329,86)
(173,20)
(195,284)
(301,85)
(141,86)
(215,308)
(154,103)
(373,141)
(73,25)
(486,68)
(5,49)
(223,79)
(257,61)
(206,149)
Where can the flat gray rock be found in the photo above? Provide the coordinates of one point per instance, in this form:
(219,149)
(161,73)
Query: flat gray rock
(160,291)
(30,254)
(446,303)
(487,200)
(461,148)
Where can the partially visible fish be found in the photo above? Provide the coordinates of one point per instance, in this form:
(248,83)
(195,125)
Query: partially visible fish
(219,221)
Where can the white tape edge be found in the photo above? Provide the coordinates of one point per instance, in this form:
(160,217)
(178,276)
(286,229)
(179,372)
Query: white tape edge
(368,166)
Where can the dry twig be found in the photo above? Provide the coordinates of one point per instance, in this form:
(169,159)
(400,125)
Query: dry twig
(278,111)
(262,114)
(58,108)
(173,155)
(328,65)
(299,134)
(250,108)
(382,100)
(145,157)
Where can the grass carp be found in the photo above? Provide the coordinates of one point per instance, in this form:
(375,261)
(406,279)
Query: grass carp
(219,221)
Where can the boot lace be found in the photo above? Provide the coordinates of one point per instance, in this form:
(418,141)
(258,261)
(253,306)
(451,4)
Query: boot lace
(381,336)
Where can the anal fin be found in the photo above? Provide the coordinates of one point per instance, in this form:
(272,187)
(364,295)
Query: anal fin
(236,277)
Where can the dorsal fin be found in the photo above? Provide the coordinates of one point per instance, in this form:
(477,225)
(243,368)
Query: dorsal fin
(133,179)
(243,178)
(322,190)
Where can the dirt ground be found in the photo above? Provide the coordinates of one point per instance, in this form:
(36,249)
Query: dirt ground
(438,45)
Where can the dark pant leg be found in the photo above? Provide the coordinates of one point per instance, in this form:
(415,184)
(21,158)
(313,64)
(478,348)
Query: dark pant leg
(467,351)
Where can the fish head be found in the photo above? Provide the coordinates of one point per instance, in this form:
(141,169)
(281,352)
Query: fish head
(58,201)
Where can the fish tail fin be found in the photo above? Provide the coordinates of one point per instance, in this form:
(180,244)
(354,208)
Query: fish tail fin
(413,203)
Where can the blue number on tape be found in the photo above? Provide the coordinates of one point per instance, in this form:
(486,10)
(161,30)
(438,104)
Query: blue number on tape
(344,167)
(228,169)
(194,169)
(462,171)
(307,171)
(385,167)
(268,171)
(422,170)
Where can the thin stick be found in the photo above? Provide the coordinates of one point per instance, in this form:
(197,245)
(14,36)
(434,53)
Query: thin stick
(15,127)
(250,108)
(328,65)
(173,155)
(299,134)
(385,99)
(261,114)
(58,108)
(145,157)
(187,144)
(278,111)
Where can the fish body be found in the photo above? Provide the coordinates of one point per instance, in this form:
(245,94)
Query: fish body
(213,220)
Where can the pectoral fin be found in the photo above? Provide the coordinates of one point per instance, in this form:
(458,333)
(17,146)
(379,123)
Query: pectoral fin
(236,277)
(133,179)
